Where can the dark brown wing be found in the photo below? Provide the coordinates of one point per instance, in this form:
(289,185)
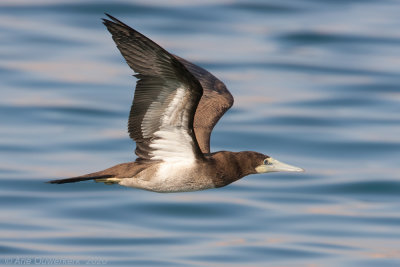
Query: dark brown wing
(165,101)
(216,100)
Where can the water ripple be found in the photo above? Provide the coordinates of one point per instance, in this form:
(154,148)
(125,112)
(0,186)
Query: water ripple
(316,84)
(323,38)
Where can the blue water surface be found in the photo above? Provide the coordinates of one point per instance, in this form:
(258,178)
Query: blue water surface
(316,84)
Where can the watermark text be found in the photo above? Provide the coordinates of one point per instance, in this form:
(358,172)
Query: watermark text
(51,261)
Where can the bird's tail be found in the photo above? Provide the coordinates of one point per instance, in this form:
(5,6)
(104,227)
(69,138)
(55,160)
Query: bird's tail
(107,179)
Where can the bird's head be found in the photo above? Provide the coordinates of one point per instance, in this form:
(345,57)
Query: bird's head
(237,165)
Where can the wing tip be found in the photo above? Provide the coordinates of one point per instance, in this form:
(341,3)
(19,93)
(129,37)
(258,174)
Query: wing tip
(113,20)
(108,22)
(111,17)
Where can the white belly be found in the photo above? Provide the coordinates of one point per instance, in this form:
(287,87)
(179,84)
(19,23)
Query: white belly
(170,177)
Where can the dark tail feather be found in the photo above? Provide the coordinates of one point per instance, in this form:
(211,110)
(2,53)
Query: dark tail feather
(78,179)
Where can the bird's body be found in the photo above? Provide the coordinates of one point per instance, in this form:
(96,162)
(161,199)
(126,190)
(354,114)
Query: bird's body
(175,107)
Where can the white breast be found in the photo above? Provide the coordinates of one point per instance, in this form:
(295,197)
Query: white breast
(170,177)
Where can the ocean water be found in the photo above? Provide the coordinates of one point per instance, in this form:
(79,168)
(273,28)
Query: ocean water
(316,85)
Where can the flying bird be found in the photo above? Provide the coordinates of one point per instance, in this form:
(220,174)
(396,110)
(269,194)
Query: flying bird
(175,108)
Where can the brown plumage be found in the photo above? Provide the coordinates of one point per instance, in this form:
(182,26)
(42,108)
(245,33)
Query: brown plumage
(216,100)
(175,108)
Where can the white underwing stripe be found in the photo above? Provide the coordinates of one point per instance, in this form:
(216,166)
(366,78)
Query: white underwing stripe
(172,142)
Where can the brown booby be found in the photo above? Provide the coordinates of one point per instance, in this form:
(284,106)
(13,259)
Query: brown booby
(175,107)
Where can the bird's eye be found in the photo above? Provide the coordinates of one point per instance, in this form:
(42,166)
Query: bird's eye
(266,162)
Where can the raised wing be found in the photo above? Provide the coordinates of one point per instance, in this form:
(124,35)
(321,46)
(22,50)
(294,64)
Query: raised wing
(216,100)
(165,101)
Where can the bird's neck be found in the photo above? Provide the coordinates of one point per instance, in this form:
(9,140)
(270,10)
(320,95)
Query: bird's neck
(230,167)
